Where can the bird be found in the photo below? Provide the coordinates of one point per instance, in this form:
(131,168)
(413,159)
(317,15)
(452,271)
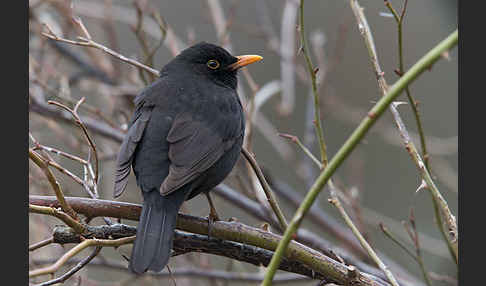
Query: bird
(184,138)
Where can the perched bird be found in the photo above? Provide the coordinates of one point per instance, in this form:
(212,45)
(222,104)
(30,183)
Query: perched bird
(184,138)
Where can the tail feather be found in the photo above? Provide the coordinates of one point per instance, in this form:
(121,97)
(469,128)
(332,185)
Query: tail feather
(155,231)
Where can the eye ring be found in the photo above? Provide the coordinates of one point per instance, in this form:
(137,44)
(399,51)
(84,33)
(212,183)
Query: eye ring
(213,64)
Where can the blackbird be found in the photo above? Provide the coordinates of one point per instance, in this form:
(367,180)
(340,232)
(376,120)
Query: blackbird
(184,138)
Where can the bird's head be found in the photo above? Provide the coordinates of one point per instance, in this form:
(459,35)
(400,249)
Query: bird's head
(215,62)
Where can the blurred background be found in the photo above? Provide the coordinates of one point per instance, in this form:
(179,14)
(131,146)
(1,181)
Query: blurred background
(379,179)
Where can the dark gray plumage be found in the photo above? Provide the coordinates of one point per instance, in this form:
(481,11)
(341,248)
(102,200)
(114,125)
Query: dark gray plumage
(184,138)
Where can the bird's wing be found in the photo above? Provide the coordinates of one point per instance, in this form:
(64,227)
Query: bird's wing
(193,148)
(134,134)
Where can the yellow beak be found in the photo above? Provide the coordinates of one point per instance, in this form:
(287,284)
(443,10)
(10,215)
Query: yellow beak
(245,60)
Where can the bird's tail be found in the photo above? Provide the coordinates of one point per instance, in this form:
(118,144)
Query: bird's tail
(155,231)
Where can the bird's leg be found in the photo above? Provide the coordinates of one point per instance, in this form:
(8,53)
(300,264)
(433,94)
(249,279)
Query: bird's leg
(213,215)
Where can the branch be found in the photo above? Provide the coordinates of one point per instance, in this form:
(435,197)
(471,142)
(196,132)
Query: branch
(73,270)
(232,231)
(411,100)
(188,242)
(42,108)
(77,249)
(426,61)
(312,73)
(80,124)
(88,42)
(39,161)
(356,137)
(306,237)
(317,122)
(41,244)
(78,227)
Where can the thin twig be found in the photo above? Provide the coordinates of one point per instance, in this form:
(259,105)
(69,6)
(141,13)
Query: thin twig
(272,200)
(73,270)
(415,239)
(335,201)
(296,140)
(392,237)
(41,243)
(312,73)
(90,43)
(77,249)
(78,227)
(50,162)
(41,162)
(443,214)
(412,101)
(416,256)
(77,120)
(93,110)
(58,152)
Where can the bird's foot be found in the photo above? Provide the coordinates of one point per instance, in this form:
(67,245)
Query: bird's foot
(212,218)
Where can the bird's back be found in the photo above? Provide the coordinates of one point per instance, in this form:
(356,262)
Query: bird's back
(214,107)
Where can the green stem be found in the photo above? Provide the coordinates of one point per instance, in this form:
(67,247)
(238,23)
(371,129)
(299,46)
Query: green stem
(312,73)
(393,92)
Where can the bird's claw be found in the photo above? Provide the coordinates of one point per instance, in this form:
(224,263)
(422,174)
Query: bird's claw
(212,218)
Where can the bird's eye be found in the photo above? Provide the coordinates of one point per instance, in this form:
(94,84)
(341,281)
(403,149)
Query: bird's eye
(213,64)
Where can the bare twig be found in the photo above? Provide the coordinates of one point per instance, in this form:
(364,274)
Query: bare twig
(412,101)
(312,73)
(272,200)
(418,253)
(77,249)
(41,162)
(415,256)
(40,107)
(81,125)
(141,36)
(41,243)
(59,152)
(439,202)
(73,270)
(78,227)
(88,42)
(296,140)
(362,241)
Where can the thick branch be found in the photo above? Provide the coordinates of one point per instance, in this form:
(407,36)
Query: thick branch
(231,231)
(187,242)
